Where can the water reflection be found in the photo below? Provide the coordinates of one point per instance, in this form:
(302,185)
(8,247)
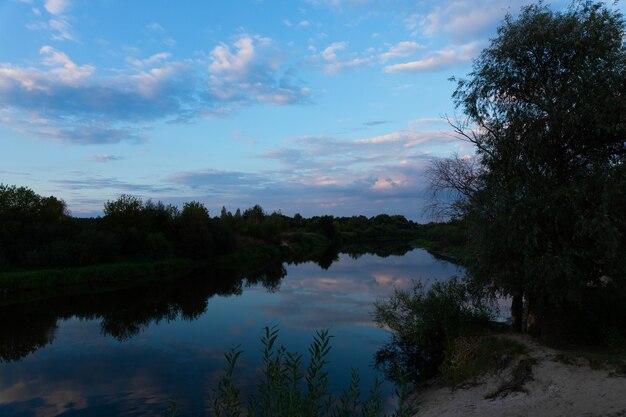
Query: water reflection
(127,352)
(27,327)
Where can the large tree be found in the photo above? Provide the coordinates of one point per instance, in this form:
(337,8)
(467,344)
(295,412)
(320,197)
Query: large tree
(547,105)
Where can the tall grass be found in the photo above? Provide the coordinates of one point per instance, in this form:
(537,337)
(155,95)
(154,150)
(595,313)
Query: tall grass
(288,388)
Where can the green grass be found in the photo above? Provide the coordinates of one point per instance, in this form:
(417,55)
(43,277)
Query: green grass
(423,243)
(97,275)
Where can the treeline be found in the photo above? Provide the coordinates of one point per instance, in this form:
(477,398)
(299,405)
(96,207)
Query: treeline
(38,232)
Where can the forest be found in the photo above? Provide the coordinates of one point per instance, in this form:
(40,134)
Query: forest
(39,238)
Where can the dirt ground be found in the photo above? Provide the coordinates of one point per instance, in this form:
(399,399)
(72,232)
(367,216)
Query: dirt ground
(552,386)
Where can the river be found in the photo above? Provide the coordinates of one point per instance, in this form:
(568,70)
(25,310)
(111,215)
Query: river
(127,352)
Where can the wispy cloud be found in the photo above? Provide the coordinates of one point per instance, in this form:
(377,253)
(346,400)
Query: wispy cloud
(377,122)
(341,4)
(401,50)
(103,157)
(444,58)
(216,180)
(109,183)
(461,19)
(153,26)
(57,7)
(334,64)
(150,61)
(57,21)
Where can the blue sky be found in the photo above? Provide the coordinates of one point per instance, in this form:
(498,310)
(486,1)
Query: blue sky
(309,106)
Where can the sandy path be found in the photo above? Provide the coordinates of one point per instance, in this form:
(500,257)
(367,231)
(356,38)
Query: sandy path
(556,389)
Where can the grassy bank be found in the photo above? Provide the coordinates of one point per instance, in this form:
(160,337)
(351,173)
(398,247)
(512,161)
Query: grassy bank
(94,274)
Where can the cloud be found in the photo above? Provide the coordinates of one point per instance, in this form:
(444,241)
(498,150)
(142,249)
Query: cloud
(108,183)
(377,122)
(461,19)
(103,157)
(75,103)
(330,53)
(235,65)
(83,132)
(318,175)
(58,22)
(57,7)
(401,50)
(155,27)
(251,71)
(444,58)
(214,179)
(333,64)
(389,190)
(68,102)
(341,4)
(314,175)
(151,60)
(59,26)
(63,67)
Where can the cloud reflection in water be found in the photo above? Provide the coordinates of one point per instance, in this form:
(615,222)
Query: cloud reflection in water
(176,352)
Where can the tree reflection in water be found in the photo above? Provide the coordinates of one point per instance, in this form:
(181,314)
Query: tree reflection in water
(27,327)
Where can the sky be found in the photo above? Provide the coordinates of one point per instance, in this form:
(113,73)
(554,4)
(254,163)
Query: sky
(303,106)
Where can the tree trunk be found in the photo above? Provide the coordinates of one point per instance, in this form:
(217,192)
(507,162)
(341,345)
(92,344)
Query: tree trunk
(517,311)
(534,318)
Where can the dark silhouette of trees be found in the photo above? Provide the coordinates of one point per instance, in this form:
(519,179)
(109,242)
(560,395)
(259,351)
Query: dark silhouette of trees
(195,238)
(545,207)
(37,232)
(29,224)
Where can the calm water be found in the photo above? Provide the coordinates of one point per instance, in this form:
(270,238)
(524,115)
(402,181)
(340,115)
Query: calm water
(127,352)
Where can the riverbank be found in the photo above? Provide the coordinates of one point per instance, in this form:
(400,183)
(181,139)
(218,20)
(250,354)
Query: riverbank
(541,382)
(252,260)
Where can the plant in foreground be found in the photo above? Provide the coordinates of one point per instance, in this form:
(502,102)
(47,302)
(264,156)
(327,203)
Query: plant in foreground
(286,389)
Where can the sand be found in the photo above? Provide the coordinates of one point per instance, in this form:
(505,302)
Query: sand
(552,389)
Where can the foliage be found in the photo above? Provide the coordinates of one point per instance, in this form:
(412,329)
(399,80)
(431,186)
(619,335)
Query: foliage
(544,209)
(425,323)
(286,389)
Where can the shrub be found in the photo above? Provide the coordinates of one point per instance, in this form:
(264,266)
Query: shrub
(424,325)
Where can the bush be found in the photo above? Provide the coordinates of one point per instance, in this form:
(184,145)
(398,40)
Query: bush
(425,325)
